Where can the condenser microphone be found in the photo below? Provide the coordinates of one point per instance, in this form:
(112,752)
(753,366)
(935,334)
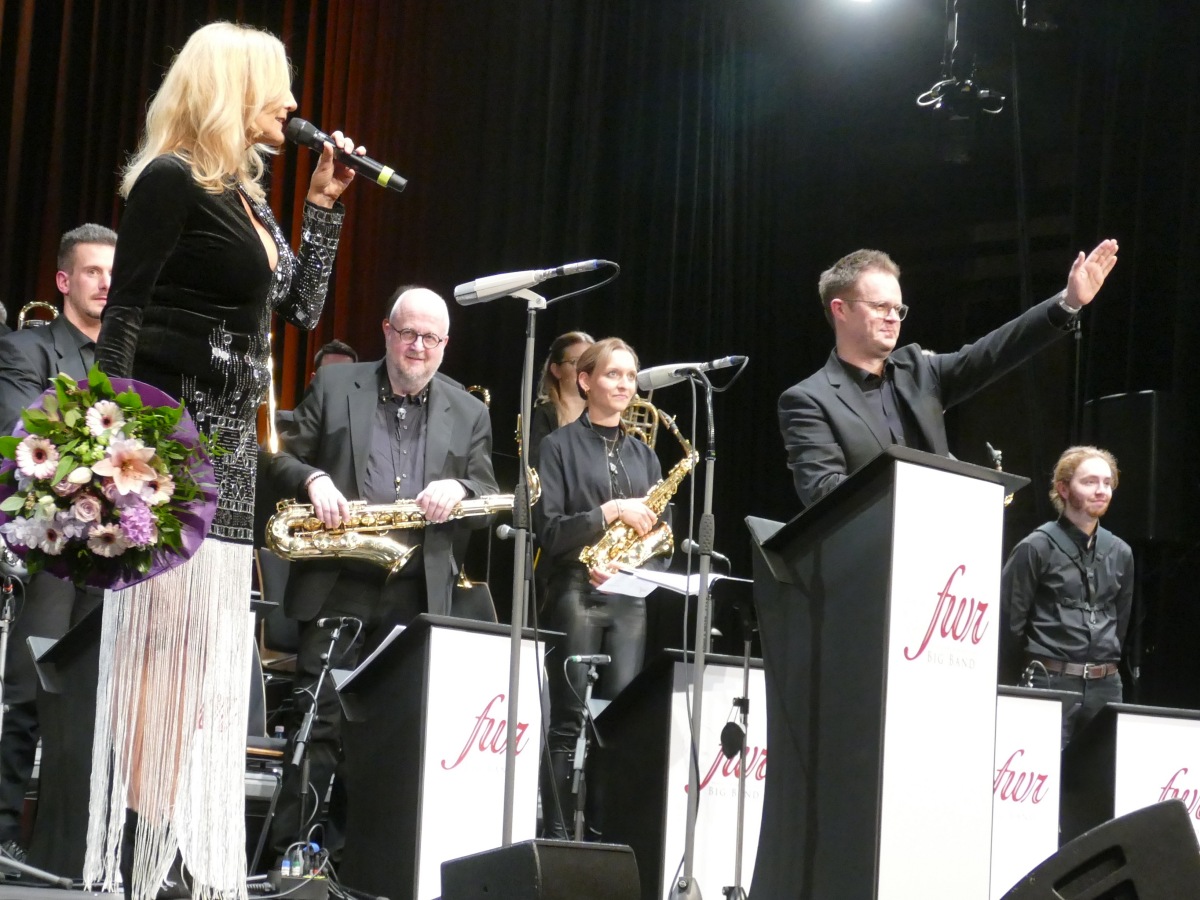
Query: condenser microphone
(664,376)
(599,659)
(491,287)
(298,131)
(335,620)
(687,545)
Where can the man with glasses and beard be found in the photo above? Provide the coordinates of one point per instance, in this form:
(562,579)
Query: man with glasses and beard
(871,394)
(382,431)
(1066,590)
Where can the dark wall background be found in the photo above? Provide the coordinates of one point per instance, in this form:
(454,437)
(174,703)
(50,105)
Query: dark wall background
(723,154)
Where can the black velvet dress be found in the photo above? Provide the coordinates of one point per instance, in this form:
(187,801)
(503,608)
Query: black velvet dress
(189,312)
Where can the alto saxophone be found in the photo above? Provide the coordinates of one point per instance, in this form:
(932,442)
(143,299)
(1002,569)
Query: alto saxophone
(296,534)
(621,544)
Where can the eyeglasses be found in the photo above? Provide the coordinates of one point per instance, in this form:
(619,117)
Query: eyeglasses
(429,340)
(882,308)
(569,362)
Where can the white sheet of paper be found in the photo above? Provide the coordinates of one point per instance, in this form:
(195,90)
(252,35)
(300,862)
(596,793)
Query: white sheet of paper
(374,653)
(628,584)
(639,583)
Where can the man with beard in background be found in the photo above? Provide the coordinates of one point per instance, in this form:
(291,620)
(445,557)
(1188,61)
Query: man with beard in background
(1067,590)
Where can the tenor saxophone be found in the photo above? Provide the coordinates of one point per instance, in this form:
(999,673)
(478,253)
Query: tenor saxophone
(621,544)
(296,534)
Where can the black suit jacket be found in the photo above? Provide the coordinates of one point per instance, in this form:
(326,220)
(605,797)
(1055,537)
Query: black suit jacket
(332,433)
(830,432)
(29,358)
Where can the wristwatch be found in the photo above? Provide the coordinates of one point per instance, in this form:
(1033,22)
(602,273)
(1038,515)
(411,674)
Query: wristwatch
(1073,310)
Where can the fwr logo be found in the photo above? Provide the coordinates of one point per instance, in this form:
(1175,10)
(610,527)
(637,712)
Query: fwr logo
(955,618)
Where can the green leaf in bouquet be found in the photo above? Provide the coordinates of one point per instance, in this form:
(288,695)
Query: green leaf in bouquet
(62,394)
(36,421)
(128,399)
(8,446)
(71,417)
(99,382)
(13,503)
(66,464)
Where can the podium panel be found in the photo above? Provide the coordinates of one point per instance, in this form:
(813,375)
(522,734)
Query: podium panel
(1027,783)
(643,772)
(879,615)
(1157,759)
(939,708)
(1127,758)
(424,740)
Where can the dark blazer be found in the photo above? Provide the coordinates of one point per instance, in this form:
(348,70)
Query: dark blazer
(29,358)
(830,432)
(332,433)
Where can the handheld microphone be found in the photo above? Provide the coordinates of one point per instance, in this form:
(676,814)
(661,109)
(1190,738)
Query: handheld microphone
(599,659)
(664,376)
(481,290)
(505,532)
(298,131)
(690,546)
(335,620)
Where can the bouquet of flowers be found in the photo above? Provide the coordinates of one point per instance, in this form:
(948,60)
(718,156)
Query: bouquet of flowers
(105,488)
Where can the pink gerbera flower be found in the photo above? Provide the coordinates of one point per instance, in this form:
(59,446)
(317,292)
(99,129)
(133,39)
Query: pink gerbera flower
(37,457)
(127,464)
(54,539)
(103,417)
(107,540)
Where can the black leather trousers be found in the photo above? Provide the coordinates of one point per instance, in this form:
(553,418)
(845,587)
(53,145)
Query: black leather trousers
(592,622)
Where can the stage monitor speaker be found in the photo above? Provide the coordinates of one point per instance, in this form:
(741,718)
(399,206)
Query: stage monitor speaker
(1148,854)
(544,870)
(1147,434)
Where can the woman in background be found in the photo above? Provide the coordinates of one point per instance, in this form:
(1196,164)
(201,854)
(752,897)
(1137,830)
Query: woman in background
(201,265)
(558,399)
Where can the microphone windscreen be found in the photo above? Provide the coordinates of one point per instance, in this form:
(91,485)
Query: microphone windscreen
(732,739)
(305,133)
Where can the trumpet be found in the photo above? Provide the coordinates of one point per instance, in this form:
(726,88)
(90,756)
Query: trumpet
(23,319)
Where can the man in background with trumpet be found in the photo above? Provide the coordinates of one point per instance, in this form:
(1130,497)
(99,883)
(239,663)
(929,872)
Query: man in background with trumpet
(381,432)
(29,358)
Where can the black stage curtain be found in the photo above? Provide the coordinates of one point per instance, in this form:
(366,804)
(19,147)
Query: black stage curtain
(722,153)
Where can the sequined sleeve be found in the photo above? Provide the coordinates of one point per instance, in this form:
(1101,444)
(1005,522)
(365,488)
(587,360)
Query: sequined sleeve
(319,236)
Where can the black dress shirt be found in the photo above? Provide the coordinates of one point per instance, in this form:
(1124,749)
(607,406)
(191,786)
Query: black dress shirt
(1068,595)
(396,458)
(880,393)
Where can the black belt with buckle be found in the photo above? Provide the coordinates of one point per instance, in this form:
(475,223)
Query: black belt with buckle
(1089,671)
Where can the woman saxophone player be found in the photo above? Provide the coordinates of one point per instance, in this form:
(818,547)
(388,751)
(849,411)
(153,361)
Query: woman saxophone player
(593,475)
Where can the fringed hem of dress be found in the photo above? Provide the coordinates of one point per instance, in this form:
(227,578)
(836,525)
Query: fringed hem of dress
(171,706)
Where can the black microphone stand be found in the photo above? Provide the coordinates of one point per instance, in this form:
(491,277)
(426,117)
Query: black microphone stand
(7,616)
(578,779)
(742,704)
(686,887)
(300,753)
(522,576)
